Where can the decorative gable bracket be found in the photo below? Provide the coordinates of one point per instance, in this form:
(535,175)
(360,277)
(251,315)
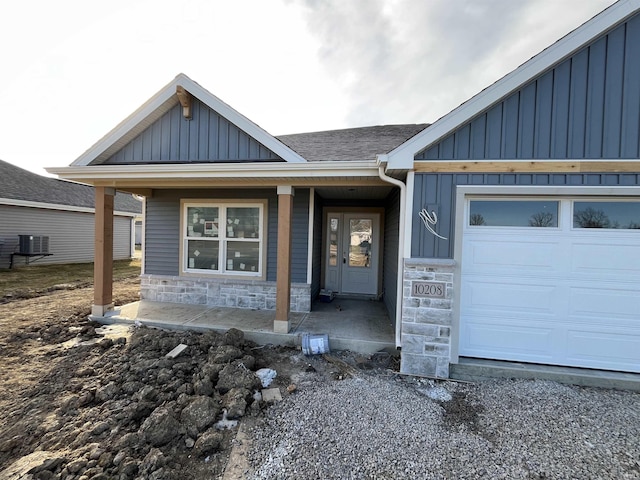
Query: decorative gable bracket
(185,99)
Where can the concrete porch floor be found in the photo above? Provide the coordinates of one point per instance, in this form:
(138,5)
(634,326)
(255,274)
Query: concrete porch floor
(361,326)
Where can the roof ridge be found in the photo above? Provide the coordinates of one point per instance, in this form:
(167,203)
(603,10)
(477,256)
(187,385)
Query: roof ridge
(424,124)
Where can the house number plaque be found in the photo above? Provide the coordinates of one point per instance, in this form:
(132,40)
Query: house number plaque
(428,289)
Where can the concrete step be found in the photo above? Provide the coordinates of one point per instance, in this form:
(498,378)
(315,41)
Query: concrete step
(473,369)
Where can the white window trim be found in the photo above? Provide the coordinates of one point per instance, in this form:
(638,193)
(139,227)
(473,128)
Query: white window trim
(222,205)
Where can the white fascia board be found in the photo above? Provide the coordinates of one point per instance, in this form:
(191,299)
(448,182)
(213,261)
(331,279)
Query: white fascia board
(224,170)
(167,94)
(402,156)
(128,124)
(56,206)
(537,161)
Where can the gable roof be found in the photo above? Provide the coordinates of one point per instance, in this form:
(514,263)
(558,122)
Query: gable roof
(23,186)
(161,103)
(362,143)
(402,157)
(334,156)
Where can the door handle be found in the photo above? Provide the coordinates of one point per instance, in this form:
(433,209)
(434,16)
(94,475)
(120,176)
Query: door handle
(344,259)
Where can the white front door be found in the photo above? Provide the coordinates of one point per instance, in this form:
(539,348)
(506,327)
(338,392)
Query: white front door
(352,253)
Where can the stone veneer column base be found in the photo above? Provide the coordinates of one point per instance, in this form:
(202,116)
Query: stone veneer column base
(426,322)
(216,292)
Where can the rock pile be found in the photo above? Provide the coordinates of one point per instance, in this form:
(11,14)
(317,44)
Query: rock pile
(129,411)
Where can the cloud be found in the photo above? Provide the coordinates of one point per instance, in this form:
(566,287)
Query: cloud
(413,61)
(75,68)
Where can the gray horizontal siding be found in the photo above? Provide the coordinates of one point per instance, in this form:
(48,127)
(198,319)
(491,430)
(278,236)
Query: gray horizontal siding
(438,191)
(588,106)
(162,229)
(272,238)
(207,137)
(300,237)
(162,234)
(390,256)
(71,234)
(316,266)
(123,237)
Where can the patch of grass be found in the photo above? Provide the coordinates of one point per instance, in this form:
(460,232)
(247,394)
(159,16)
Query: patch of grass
(42,278)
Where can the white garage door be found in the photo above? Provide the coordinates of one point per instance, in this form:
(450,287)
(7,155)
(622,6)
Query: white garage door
(553,281)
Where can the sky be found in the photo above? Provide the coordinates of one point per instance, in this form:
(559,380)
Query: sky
(73,69)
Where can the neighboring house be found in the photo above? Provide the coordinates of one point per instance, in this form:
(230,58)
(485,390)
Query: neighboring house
(477,232)
(62,212)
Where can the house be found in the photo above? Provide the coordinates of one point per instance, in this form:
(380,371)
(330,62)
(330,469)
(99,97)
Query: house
(506,230)
(60,214)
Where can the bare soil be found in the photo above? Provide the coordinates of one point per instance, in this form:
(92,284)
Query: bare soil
(81,404)
(78,402)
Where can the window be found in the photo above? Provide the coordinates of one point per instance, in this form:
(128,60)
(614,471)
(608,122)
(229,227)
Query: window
(624,215)
(223,238)
(513,213)
(360,233)
(333,241)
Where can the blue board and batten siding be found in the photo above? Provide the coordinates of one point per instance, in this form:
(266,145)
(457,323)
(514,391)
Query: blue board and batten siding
(162,232)
(206,137)
(588,106)
(437,191)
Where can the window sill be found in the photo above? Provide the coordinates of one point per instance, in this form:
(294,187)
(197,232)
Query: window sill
(226,276)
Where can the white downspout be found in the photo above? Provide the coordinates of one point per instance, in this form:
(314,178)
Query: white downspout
(401,235)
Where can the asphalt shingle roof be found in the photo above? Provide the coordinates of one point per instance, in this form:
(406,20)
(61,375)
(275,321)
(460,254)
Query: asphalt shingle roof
(362,143)
(19,184)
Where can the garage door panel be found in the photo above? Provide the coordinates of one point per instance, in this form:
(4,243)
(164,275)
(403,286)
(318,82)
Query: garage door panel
(487,295)
(609,258)
(561,296)
(605,302)
(509,255)
(600,349)
(508,342)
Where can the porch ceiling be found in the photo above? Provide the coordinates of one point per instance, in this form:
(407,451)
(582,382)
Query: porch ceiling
(361,192)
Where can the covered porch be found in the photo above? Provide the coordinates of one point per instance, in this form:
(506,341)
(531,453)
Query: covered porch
(358,325)
(243,229)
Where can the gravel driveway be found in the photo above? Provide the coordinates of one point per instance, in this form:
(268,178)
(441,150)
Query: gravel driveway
(384,426)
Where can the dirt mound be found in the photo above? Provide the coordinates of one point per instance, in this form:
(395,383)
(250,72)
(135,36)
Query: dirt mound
(82,401)
(122,408)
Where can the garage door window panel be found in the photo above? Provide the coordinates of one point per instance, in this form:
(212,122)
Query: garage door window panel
(606,215)
(513,213)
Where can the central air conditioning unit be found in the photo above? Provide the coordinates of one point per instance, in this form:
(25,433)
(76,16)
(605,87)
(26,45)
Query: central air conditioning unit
(33,245)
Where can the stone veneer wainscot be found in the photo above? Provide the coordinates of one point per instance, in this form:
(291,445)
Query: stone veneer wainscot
(250,294)
(426,322)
